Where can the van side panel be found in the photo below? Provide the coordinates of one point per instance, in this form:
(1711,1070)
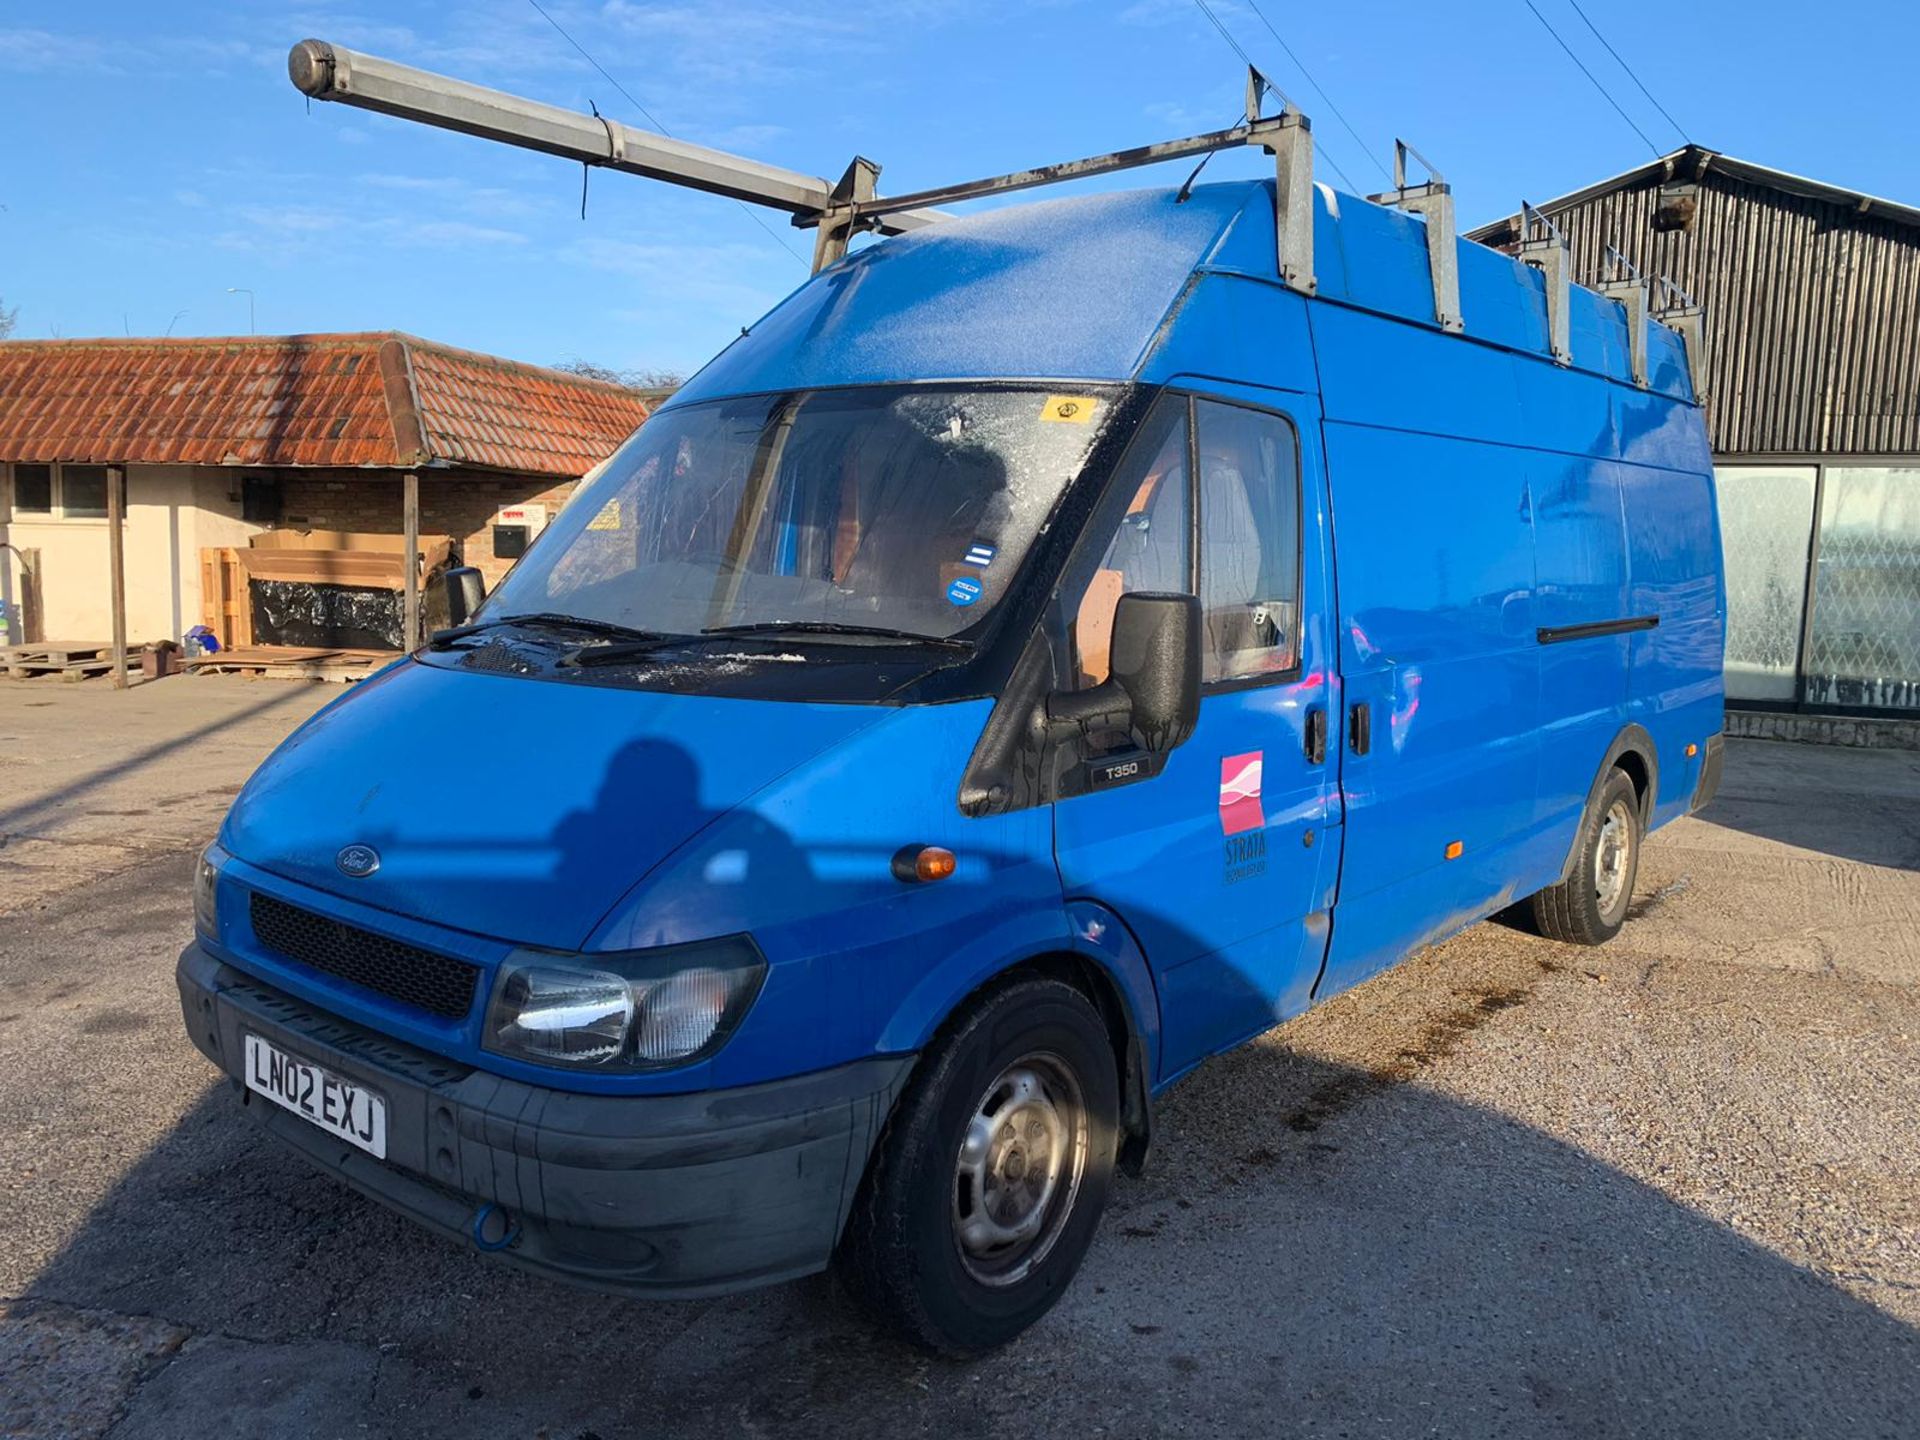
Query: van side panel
(1581,564)
(1433,539)
(1675,679)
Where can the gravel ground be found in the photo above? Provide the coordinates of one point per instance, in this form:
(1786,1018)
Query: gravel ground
(1668,1187)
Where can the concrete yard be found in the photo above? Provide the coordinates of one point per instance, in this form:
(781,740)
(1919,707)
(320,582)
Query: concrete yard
(1670,1187)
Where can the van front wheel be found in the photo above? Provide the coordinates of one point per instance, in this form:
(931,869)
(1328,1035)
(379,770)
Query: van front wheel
(1590,905)
(990,1178)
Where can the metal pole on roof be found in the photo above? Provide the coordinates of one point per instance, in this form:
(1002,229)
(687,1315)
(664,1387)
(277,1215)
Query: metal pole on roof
(117,568)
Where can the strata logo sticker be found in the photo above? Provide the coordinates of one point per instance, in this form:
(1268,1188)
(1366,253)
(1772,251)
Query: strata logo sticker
(964,591)
(1240,793)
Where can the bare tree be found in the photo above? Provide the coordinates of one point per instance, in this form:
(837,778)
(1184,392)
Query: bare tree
(8,319)
(642,379)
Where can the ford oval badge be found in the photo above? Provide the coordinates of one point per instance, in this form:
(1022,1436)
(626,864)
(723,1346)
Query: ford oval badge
(359,861)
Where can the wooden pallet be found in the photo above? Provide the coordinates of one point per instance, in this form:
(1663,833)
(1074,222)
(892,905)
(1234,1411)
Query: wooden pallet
(75,659)
(290,662)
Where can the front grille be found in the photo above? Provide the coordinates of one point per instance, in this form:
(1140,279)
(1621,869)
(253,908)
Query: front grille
(436,983)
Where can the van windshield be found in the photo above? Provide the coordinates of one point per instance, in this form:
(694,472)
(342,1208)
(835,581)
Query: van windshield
(902,508)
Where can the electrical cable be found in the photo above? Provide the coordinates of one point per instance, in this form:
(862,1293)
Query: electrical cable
(1247,60)
(1591,76)
(1678,128)
(745,208)
(1301,66)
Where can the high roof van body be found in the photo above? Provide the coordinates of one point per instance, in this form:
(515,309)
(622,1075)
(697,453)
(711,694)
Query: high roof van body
(1044,652)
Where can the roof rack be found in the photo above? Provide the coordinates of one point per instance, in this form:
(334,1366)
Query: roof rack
(1687,317)
(1545,248)
(1629,287)
(837,212)
(1432,199)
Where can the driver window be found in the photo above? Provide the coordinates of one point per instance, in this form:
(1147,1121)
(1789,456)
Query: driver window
(1152,549)
(1249,561)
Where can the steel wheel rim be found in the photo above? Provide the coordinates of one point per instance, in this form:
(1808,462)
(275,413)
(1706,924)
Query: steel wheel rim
(1022,1158)
(1612,858)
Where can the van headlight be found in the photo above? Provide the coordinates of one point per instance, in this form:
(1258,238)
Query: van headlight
(206,891)
(641,1010)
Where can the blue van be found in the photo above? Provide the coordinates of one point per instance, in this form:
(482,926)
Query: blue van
(1045,651)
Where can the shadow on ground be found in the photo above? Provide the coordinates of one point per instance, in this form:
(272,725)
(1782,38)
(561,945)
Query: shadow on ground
(1851,804)
(1317,1250)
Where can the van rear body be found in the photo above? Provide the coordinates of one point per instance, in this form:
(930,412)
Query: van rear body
(882,861)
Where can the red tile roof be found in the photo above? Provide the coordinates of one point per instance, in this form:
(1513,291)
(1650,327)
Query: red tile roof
(382,399)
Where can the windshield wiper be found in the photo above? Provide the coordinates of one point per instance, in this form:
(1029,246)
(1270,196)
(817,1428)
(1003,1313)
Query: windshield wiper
(836,627)
(547,620)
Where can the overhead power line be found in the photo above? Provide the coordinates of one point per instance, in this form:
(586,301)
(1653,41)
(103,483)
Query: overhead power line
(1592,77)
(1247,60)
(652,120)
(1301,65)
(1678,128)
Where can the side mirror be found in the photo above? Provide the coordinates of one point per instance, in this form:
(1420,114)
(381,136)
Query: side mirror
(465,590)
(1155,659)
(1153,684)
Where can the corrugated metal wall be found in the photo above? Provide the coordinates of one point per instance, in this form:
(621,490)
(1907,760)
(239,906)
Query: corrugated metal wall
(1813,311)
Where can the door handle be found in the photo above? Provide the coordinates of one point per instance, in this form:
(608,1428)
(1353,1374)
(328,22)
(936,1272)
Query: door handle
(1316,736)
(1360,728)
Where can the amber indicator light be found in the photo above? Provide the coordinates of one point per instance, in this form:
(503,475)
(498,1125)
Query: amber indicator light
(917,864)
(1454,847)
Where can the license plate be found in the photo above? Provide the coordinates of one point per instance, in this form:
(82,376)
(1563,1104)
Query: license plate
(339,1107)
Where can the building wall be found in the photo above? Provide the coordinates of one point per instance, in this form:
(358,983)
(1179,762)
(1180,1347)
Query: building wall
(1812,310)
(460,505)
(172,512)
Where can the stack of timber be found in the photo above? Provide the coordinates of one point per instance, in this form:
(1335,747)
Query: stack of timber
(290,662)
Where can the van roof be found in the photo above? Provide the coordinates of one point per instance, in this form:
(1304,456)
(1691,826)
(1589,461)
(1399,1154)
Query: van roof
(1083,288)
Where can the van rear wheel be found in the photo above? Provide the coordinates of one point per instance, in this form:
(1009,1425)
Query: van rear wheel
(1590,905)
(989,1180)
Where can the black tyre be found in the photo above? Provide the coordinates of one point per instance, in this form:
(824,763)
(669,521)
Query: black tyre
(1590,905)
(989,1180)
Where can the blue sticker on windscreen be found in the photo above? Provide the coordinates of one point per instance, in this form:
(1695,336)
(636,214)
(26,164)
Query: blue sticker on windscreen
(980,553)
(964,591)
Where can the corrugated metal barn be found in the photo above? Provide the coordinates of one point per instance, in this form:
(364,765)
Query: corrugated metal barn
(1812,378)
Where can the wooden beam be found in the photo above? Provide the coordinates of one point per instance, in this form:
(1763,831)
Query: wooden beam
(410,567)
(117,564)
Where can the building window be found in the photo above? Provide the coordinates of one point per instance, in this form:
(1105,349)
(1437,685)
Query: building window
(1766,520)
(33,489)
(1847,635)
(62,492)
(1863,648)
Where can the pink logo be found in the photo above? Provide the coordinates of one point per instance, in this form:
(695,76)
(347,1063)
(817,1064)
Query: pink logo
(1240,793)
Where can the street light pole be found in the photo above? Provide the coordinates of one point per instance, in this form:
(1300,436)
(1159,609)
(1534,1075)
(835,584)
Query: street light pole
(242,290)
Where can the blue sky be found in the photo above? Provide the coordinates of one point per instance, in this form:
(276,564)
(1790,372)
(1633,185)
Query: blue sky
(152,155)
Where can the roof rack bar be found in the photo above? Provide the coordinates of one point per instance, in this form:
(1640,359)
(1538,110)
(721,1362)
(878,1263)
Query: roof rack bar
(1545,248)
(1258,132)
(1432,199)
(332,72)
(1630,289)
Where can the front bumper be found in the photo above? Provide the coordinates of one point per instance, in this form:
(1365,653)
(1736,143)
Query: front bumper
(663,1195)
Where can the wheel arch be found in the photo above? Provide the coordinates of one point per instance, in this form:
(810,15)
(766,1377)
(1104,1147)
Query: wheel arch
(1634,753)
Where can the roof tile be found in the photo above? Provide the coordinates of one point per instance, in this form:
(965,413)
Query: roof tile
(300,400)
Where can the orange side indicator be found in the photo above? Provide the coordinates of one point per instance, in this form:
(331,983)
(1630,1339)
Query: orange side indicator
(1692,750)
(1454,847)
(918,864)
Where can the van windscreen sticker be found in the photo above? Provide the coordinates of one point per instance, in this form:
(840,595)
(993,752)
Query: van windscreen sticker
(980,553)
(964,591)
(1070,409)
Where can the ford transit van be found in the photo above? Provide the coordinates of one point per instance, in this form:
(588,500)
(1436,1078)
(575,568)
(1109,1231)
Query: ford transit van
(1045,651)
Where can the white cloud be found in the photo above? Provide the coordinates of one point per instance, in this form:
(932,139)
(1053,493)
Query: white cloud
(44,51)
